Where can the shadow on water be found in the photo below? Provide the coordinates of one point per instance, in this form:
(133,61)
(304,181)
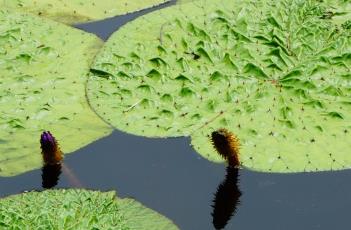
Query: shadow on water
(169,177)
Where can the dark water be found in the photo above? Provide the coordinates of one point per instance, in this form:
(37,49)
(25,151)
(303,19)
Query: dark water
(105,28)
(169,177)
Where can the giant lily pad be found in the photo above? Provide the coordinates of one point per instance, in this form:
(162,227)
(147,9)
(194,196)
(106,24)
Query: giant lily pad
(78,209)
(43,67)
(274,73)
(339,11)
(73,11)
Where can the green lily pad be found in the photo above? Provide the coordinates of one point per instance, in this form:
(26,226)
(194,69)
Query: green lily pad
(274,73)
(43,67)
(74,11)
(78,209)
(339,11)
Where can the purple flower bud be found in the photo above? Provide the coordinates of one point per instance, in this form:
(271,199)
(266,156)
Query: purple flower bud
(47,141)
(47,137)
(50,149)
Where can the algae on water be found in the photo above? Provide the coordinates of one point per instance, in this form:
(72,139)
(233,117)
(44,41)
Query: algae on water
(43,68)
(275,73)
(74,11)
(78,209)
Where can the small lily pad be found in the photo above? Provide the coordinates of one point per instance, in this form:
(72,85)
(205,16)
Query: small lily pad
(43,68)
(274,73)
(78,209)
(74,11)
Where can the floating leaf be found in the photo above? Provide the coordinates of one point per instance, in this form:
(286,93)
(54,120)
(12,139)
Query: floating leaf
(78,209)
(74,11)
(259,82)
(45,93)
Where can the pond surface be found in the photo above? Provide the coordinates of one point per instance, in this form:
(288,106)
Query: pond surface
(168,176)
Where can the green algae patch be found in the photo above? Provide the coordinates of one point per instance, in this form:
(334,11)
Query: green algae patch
(274,73)
(77,11)
(78,209)
(43,67)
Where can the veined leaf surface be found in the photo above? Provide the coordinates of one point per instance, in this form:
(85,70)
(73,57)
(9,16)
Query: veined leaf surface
(275,73)
(43,68)
(78,209)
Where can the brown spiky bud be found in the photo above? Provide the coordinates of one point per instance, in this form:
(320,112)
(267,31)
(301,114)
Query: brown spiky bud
(227,145)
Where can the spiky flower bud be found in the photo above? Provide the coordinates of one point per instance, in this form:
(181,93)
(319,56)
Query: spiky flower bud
(50,150)
(227,145)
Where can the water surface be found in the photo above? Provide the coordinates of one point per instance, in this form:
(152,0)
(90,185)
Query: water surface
(168,176)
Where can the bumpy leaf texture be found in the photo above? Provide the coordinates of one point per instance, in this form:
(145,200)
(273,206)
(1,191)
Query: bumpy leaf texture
(78,209)
(43,72)
(274,73)
(74,11)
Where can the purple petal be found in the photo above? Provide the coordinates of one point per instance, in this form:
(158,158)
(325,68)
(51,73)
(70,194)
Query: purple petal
(47,139)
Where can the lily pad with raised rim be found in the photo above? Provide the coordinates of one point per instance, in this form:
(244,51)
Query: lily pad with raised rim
(43,68)
(275,73)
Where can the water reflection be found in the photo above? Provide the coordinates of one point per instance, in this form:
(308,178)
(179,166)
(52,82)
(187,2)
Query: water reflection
(50,175)
(159,172)
(226,199)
